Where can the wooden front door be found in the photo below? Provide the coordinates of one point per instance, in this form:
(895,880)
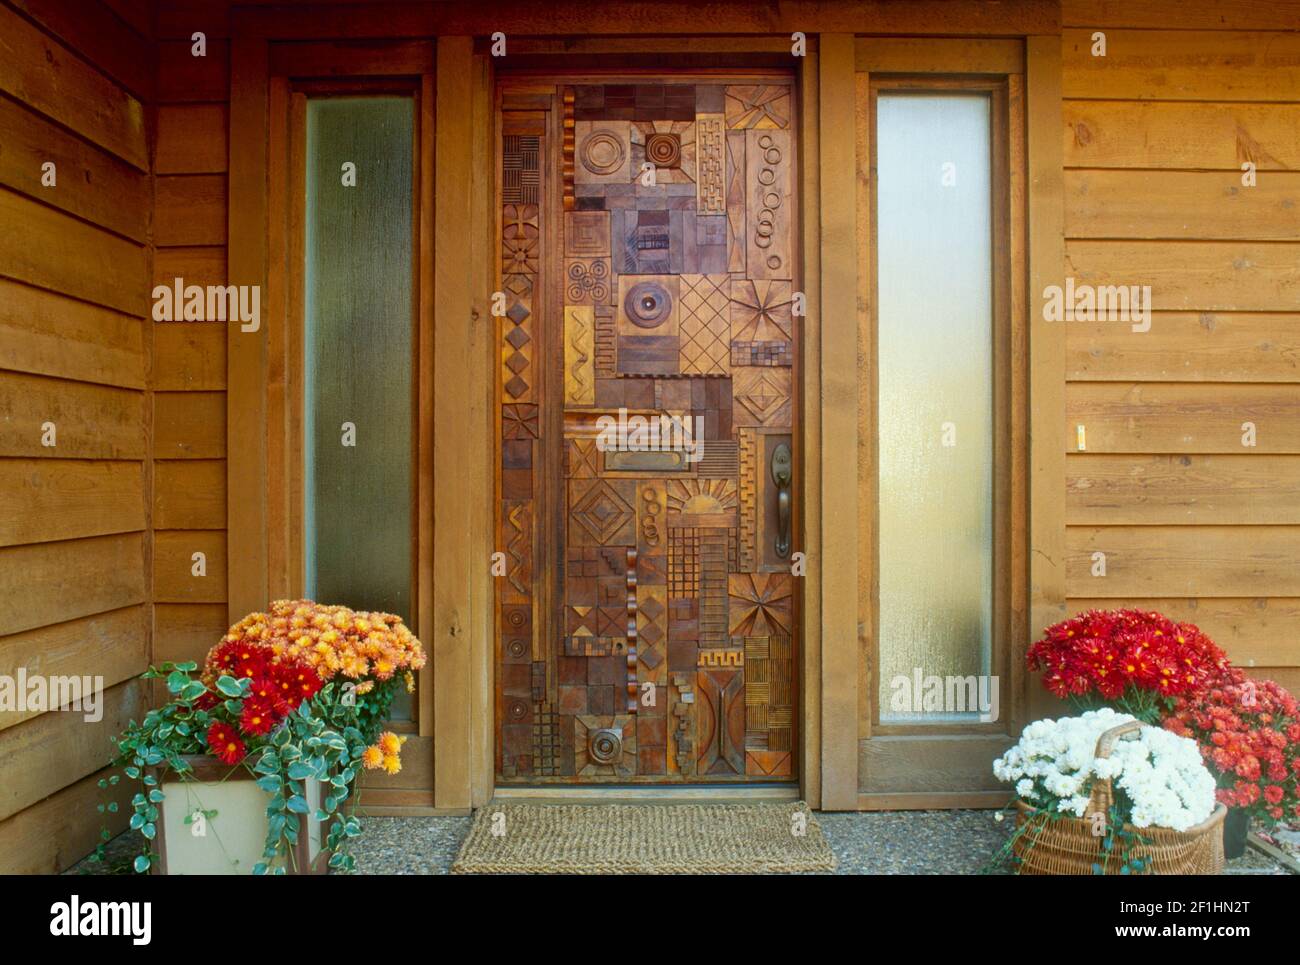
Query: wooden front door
(648,327)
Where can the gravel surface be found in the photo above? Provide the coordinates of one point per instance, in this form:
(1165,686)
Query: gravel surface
(874,843)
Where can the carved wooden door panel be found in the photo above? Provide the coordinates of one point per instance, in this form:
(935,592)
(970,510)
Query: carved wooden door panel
(646,619)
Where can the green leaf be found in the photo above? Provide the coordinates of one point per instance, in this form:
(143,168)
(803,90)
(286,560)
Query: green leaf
(259,868)
(112,807)
(300,770)
(270,783)
(156,795)
(229,686)
(176,681)
(336,860)
(133,773)
(149,831)
(193,691)
(298,803)
(188,666)
(141,863)
(137,821)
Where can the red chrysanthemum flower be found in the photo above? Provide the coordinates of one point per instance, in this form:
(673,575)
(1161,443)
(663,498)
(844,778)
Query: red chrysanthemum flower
(224,744)
(258,718)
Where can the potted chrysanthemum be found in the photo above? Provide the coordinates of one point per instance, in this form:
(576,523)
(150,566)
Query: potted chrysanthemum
(249,764)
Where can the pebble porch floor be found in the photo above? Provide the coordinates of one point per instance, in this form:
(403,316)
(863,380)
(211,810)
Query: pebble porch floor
(880,842)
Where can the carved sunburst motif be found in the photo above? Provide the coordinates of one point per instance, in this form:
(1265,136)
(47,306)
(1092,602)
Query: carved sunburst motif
(702,496)
(759,604)
(760,311)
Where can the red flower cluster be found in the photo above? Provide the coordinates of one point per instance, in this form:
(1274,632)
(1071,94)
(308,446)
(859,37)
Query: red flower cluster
(1108,651)
(1249,733)
(279,686)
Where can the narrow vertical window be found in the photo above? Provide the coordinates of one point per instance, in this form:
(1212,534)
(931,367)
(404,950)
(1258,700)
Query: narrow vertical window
(359,350)
(935,397)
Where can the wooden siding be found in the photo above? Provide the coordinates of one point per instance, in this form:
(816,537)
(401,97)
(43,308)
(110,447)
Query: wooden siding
(1191,521)
(74,350)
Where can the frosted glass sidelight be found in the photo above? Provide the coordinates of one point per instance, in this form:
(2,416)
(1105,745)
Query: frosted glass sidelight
(359,350)
(935,401)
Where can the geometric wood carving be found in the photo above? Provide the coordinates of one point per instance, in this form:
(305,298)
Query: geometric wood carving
(704,325)
(711,164)
(605,746)
(758,107)
(519,239)
(579,350)
(669,146)
(760,604)
(602,512)
(747,551)
(603,152)
(720,721)
(768,182)
(762,396)
(760,310)
(736,206)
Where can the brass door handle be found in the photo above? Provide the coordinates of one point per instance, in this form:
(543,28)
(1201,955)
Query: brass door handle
(781,474)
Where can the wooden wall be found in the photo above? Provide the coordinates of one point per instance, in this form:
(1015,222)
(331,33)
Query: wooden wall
(189,496)
(75,518)
(1192,522)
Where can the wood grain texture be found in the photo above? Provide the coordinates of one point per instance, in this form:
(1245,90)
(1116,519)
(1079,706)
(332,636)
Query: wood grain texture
(1188,347)
(1194,275)
(50,836)
(51,79)
(90,421)
(42,500)
(1170,417)
(189,425)
(196,265)
(1183,14)
(1105,490)
(45,333)
(113,645)
(189,356)
(192,139)
(189,494)
(89,182)
(57,252)
(187,631)
(190,210)
(174,580)
(1181,204)
(53,582)
(1210,65)
(101,38)
(1255,631)
(184,78)
(1171,135)
(1190,561)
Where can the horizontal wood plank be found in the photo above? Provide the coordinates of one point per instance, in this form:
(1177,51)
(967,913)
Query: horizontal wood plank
(1255,631)
(965,762)
(189,425)
(184,78)
(44,333)
(112,645)
(187,631)
(1182,14)
(192,139)
(189,494)
(1187,347)
(101,38)
(43,500)
(1181,204)
(48,752)
(60,253)
(189,356)
(913,55)
(1107,490)
(53,834)
(49,583)
(1194,275)
(51,79)
(178,19)
(1168,417)
(174,580)
(195,266)
(190,210)
(1210,65)
(88,182)
(1143,134)
(90,421)
(1184,561)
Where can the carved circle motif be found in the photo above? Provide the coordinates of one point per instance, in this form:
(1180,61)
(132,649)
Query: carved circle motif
(517,648)
(517,709)
(663,150)
(647,304)
(771,199)
(516,618)
(602,152)
(605,745)
(588,281)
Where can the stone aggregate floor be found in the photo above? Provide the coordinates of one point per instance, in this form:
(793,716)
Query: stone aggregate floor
(873,843)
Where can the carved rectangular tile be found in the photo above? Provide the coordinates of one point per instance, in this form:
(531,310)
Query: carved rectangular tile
(602,152)
(718,459)
(582,459)
(519,168)
(588,281)
(711,163)
(546,739)
(761,310)
(602,512)
(516,331)
(713,587)
(520,239)
(736,204)
(652,634)
(681,723)
(761,353)
(683,562)
(667,145)
(758,107)
(586,234)
(761,397)
(760,604)
(517,530)
(704,328)
(747,440)
(579,353)
(720,721)
(605,746)
(606,341)
(769,184)
(768,763)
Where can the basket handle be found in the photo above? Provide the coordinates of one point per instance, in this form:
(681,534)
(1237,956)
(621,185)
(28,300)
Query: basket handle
(1099,800)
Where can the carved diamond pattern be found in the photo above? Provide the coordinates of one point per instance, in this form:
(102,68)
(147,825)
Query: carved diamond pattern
(704,327)
(602,512)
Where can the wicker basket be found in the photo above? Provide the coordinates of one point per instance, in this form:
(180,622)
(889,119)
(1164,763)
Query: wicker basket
(1067,846)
